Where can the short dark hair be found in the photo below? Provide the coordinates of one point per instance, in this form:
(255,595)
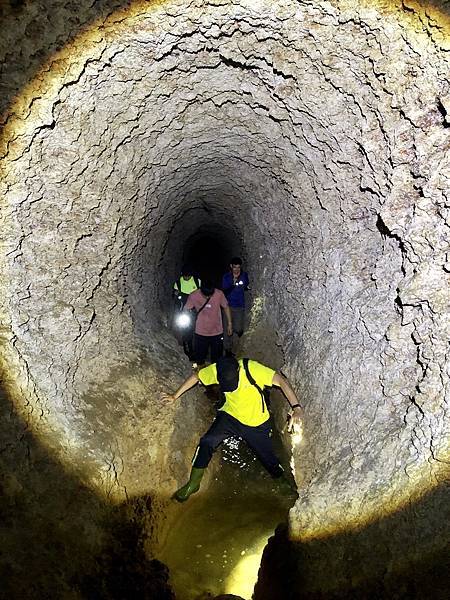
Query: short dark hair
(186,270)
(236,261)
(207,288)
(227,373)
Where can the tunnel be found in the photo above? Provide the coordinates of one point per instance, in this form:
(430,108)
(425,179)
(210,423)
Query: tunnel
(312,139)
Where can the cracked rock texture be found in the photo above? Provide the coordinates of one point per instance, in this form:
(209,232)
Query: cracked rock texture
(317,136)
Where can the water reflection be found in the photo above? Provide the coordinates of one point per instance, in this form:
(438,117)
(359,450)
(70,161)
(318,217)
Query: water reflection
(216,545)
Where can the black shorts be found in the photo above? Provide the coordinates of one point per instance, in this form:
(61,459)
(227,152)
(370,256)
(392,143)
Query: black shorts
(203,343)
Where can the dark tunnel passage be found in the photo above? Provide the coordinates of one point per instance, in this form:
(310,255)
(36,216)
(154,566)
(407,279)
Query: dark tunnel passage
(209,254)
(312,141)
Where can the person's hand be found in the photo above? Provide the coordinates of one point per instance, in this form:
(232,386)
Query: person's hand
(295,421)
(165,396)
(229,330)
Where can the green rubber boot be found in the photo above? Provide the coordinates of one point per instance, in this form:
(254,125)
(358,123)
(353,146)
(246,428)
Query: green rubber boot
(192,486)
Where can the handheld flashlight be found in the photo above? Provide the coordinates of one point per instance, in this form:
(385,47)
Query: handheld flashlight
(183,320)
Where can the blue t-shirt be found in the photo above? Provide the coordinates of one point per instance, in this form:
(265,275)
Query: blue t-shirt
(235,293)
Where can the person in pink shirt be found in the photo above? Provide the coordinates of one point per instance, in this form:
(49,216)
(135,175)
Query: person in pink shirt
(208,334)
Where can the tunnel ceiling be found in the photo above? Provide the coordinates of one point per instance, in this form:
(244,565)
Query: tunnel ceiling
(318,134)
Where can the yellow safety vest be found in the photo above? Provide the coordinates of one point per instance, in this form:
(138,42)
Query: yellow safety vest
(186,286)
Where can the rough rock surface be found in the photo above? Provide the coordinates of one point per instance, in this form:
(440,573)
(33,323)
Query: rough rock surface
(319,134)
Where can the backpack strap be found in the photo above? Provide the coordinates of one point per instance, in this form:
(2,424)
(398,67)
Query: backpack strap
(178,285)
(197,281)
(253,382)
(200,309)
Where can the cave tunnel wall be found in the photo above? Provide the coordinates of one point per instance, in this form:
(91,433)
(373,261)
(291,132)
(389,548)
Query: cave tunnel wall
(316,137)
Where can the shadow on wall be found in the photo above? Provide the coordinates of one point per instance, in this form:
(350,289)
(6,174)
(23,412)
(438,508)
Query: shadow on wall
(405,555)
(60,540)
(43,36)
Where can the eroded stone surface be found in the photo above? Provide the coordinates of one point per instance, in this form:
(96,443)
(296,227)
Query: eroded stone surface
(319,134)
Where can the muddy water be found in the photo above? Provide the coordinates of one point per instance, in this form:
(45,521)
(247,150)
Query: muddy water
(216,545)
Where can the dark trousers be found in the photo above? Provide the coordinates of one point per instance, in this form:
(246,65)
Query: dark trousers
(188,346)
(258,438)
(203,343)
(238,319)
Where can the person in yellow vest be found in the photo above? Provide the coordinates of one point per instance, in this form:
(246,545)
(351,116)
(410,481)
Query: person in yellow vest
(244,414)
(185,285)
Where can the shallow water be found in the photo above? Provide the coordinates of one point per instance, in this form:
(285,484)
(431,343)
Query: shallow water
(215,547)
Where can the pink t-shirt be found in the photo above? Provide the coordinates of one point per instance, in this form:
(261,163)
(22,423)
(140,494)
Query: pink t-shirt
(209,321)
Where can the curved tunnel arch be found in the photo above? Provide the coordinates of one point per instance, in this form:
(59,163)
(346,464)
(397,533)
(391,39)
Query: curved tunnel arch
(313,144)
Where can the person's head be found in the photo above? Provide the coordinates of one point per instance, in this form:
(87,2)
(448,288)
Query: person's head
(236,266)
(207,288)
(227,373)
(186,271)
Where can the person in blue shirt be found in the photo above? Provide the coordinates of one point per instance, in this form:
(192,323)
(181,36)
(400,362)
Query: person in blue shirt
(234,285)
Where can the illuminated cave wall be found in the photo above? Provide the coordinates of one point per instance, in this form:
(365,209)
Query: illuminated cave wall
(318,133)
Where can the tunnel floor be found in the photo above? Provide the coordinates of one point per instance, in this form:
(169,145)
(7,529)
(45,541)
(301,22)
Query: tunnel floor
(215,547)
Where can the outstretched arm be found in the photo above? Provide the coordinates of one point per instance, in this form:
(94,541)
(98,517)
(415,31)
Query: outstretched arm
(184,387)
(280,381)
(296,415)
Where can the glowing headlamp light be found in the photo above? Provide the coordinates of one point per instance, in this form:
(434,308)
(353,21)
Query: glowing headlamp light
(183,320)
